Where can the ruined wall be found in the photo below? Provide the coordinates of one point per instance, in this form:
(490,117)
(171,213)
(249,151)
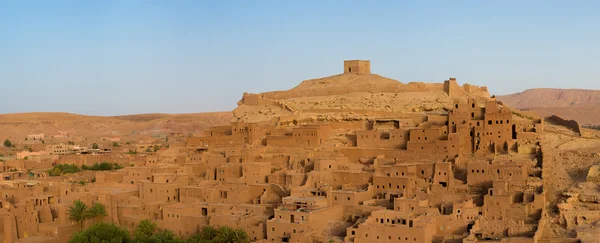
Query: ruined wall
(571,124)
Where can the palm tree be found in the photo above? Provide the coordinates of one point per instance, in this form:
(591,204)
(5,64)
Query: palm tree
(78,213)
(144,231)
(229,235)
(208,233)
(240,236)
(165,236)
(97,211)
(224,235)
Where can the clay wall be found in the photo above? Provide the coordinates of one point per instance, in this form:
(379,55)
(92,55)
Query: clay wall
(355,155)
(391,232)
(256,172)
(253,226)
(484,172)
(183,219)
(396,184)
(292,222)
(229,193)
(134,175)
(342,197)
(428,135)
(159,192)
(228,172)
(350,179)
(408,170)
(570,124)
(394,138)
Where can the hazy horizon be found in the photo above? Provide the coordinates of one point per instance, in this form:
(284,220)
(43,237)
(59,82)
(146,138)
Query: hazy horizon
(116,58)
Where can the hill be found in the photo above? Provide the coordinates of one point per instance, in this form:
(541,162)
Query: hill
(351,96)
(18,125)
(574,104)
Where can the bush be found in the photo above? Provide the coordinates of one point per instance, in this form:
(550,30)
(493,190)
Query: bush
(95,146)
(222,235)
(595,127)
(102,166)
(115,144)
(101,233)
(60,169)
(7,143)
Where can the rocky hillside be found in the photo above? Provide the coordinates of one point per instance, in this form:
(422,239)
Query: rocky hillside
(351,97)
(576,104)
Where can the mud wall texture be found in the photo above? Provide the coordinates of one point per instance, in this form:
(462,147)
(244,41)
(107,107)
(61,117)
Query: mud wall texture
(571,124)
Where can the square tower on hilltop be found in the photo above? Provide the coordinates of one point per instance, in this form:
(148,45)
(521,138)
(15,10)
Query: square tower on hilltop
(357,66)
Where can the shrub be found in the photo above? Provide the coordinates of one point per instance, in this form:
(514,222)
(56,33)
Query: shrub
(102,166)
(102,232)
(7,143)
(60,169)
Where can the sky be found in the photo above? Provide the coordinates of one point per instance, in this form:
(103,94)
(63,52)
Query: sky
(132,57)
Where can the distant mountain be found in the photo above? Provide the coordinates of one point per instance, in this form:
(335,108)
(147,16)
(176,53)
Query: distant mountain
(20,124)
(576,104)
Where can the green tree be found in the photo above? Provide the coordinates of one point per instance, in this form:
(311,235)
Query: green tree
(229,235)
(165,236)
(115,144)
(102,166)
(197,238)
(97,211)
(60,169)
(144,231)
(71,143)
(26,158)
(205,236)
(7,143)
(208,233)
(78,213)
(240,236)
(101,233)
(95,146)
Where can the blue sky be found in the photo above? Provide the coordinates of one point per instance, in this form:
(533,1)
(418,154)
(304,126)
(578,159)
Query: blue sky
(126,57)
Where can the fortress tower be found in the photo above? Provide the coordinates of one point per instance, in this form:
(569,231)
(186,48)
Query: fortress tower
(450,86)
(357,66)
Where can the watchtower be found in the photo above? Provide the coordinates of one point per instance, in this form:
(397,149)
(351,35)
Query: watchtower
(450,86)
(357,66)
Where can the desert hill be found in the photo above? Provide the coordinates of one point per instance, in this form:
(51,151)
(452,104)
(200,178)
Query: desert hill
(575,104)
(352,96)
(18,125)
